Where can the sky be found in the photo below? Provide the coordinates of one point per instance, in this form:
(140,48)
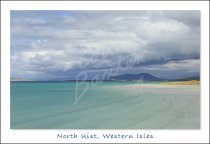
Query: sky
(70,45)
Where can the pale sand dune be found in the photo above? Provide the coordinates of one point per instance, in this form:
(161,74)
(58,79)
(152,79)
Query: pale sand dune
(190,82)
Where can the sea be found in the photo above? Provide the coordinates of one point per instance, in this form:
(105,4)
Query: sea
(102,105)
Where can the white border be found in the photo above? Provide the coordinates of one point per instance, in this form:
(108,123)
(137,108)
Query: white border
(160,136)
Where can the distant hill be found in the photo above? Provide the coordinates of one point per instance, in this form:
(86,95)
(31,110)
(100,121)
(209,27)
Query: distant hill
(187,78)
(148,77)
(140,77)
(19,79)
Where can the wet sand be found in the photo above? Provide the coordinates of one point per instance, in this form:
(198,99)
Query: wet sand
(166,106)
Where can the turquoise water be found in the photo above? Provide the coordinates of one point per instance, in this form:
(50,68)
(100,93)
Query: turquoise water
(101,105)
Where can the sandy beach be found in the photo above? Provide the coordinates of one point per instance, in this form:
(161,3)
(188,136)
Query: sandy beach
(105,106)
(166,106)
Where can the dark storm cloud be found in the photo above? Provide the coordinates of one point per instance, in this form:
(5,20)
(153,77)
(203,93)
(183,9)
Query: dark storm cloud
(61,44)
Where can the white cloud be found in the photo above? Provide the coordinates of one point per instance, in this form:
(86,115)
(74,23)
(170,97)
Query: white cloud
(47,44)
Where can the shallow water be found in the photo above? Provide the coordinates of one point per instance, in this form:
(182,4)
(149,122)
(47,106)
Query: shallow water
(103,105)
